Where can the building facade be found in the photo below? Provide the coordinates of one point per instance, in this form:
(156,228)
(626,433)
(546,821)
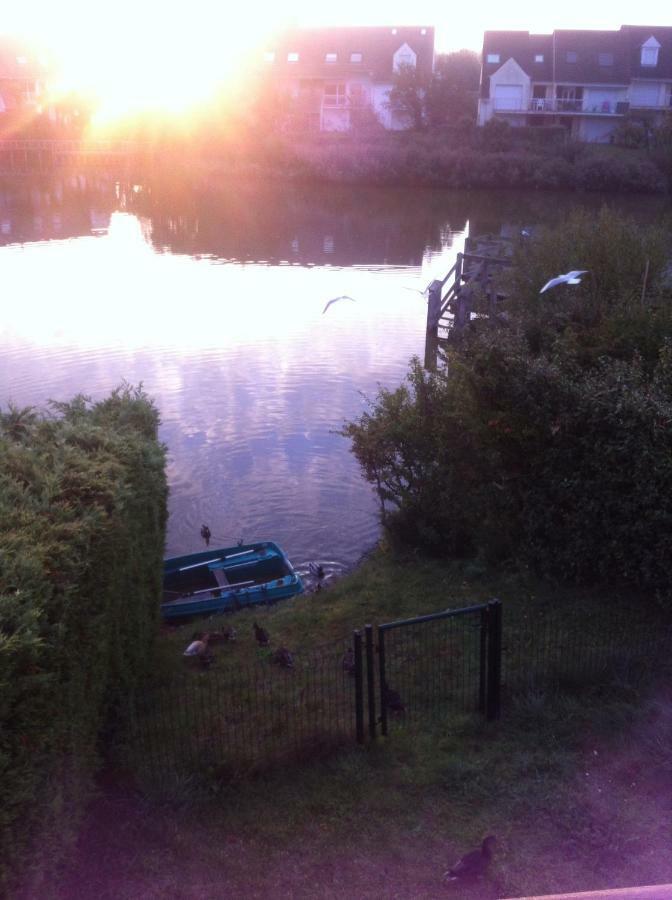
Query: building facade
(335,78)
(587,81)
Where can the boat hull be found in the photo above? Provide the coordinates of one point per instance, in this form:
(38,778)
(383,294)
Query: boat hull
(227,579)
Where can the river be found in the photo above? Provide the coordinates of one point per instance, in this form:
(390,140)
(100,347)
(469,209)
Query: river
(215,302)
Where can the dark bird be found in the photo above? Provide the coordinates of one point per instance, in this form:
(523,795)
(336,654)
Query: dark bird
(335,300)
(349,661)
(283,658)
(261,635)
(224,635)
(316,570)
(573,277)
(474,864)
(393,701)
(205,534)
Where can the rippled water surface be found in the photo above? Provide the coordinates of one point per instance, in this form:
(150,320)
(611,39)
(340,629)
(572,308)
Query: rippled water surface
(215,303)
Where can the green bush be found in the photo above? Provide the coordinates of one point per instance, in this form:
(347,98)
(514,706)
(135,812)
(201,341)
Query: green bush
(547,439)
(83,511)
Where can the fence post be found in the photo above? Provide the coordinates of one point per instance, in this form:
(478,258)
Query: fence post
(432,331)
(494,701)
(370,680)
(382,683)
(359,687)
(483,661)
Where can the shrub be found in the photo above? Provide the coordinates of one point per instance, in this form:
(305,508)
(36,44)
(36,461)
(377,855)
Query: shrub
(83,510)
(548,440)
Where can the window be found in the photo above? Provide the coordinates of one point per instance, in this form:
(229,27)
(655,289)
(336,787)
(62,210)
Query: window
(331,57)
(571,56)
(538,57)
(423,31)
(605,59)
(649,56)
(394,31)
(356,57)
(492,57)
(335,95)
(21,60)
(269,56)
(292,57)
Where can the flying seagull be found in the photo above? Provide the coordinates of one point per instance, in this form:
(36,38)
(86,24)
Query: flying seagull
(570,278)
(335,299)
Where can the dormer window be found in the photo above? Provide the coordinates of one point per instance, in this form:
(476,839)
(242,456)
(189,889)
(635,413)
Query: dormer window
(292,57)
(539,57)
(605,59)
(356,57)
(571,56)
(331,57)
(650,50)
(492,57)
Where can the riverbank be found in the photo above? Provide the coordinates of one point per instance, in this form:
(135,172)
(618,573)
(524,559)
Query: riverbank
(560,780)
(437,159)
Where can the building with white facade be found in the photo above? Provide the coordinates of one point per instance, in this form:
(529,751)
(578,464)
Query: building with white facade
(587,81)
(336,77)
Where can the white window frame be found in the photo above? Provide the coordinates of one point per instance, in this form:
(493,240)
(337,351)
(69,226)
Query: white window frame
(493,58)
(339,95)
(356,57)
(292,57)
(331,58)
(538,57)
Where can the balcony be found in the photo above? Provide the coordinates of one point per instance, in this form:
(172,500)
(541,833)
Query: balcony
(563,106)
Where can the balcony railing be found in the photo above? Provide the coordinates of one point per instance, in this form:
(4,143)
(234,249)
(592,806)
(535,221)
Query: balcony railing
(558,105)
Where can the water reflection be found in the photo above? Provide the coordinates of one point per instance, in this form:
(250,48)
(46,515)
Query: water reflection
(213,300)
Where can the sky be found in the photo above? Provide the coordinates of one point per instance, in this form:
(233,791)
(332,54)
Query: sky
(143,51)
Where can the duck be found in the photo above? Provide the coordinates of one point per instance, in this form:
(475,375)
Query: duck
(283,657)
(473,864)
(198,651)
(198,645)
(317,570)
(224,635)
(261,635)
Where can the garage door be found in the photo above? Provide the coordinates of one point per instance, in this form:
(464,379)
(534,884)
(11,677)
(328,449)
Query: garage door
(508,96)
(645,95)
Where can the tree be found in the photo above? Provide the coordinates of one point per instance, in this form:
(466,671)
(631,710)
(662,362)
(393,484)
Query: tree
(407,97)
(453,91)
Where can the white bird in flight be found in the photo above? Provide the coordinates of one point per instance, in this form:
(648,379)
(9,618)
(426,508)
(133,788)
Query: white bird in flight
(335,299)
(570,278)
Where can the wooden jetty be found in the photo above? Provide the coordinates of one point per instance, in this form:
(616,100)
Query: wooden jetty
(451,300)
(35,157)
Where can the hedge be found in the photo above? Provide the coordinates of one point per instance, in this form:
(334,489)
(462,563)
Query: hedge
(82,512)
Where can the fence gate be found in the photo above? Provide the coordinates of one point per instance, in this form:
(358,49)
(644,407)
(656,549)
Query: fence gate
(435,664)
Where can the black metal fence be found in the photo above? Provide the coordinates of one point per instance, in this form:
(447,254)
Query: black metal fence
(402,674)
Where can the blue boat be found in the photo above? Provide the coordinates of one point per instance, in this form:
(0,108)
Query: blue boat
(216,581)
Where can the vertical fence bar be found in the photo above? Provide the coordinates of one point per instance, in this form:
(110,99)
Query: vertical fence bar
(359,687)
(382,683)
(494,659)
(370,681)
(482,661)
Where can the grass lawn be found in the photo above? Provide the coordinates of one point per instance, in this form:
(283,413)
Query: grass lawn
(576,786)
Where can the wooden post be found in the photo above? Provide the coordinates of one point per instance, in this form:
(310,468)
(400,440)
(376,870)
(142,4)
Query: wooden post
(433,316)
